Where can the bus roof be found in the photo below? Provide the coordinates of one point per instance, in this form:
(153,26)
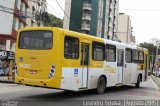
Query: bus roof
(86,36)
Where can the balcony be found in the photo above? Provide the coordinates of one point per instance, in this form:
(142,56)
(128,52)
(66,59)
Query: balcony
(85,27)
(86,17)
(87,6)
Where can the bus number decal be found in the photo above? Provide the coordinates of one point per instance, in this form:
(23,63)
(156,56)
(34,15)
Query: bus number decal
(25,66)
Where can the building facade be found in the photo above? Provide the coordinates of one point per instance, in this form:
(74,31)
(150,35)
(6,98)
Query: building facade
(17,14)
(113,19)
(35,11)
(125,29)
(94,17)
(10,21)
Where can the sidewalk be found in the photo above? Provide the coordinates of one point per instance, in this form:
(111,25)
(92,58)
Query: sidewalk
(9,88)
(156,80)
(4,79)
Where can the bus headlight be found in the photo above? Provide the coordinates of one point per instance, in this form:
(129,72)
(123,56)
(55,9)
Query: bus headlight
(52,71)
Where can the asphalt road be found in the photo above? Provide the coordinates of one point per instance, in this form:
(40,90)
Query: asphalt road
(21,95)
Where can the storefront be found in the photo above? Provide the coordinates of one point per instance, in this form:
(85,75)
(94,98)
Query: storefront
(7,65)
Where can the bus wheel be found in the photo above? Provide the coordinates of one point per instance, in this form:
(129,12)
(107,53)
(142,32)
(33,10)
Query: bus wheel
(101,85)
(138,82)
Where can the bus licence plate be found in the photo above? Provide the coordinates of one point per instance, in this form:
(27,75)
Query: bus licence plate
(34,72)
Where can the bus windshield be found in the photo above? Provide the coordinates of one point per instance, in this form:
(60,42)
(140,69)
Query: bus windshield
(38,40)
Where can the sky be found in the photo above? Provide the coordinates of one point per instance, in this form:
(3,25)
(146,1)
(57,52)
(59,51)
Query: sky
(54,8)
(144,14)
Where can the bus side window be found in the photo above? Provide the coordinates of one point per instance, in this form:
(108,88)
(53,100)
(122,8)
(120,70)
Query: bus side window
(110,53)
(128,55)
(141,57)
(71,48)
(135,56)
(98,51)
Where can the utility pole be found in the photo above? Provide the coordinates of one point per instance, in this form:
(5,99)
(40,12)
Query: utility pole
(157,60)
(152,64)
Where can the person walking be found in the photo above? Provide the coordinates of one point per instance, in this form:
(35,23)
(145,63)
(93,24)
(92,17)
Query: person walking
(159,70)
(156,69)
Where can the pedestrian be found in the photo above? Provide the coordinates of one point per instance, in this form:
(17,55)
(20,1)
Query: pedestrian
(1,72)
(157,70)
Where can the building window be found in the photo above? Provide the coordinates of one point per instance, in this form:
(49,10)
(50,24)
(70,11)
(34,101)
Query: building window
(71,48)
(98,53)
(128,55)
(110,53)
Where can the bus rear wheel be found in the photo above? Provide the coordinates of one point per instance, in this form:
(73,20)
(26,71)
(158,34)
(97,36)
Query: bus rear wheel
(138,82)
(101,85)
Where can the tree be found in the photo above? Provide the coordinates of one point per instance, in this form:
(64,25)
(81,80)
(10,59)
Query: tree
(54,21)
(152,52)
(151,48)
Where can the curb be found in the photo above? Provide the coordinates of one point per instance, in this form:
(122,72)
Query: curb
(156,81)
(4,81)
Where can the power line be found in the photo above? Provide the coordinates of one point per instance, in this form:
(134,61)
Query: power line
(6,11)
(140,10)
(68,16)
(23,14)
(9,2)
(20,0)
(6,8)
(54,10)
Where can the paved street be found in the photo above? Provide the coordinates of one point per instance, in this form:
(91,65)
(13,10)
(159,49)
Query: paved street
(42,96)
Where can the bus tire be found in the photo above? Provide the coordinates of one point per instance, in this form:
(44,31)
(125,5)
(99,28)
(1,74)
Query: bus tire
(138,82)
(101,85)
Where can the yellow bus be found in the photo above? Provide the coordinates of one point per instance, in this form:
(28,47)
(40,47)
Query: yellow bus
(61,59)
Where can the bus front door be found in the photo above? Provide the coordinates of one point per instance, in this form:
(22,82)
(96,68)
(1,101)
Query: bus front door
(120,64)
(84,63)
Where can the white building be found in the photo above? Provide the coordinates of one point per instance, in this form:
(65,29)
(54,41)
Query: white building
(37,7)
(16,14)
(11,21)
(112,12)
(124,32)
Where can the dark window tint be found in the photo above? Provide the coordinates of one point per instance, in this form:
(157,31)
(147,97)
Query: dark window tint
(110,53)
(138,56)
(128,55)
(71,48)
(36,40)
(135,56)
(98,51)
